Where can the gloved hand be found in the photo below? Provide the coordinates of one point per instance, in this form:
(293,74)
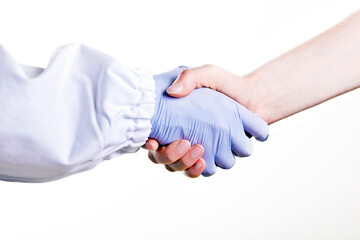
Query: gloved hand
(205,117)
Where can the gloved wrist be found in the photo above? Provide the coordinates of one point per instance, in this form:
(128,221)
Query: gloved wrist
(162,82)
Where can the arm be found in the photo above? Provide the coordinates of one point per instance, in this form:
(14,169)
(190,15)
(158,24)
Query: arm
(320,69)
(323,68)
(83,108)
(86,107)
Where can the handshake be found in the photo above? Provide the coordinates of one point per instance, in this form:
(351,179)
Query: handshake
(215,125)
(86,107)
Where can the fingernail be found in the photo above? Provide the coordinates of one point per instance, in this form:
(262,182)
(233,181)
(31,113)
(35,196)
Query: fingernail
(182,147)
(176,87)
(197,151)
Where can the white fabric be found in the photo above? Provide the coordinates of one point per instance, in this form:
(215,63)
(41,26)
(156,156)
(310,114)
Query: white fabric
(83,108)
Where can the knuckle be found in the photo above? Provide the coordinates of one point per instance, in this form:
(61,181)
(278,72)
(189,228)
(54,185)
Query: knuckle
(210,66)
(164,155)
(185,163)
(186,73)
(169,156)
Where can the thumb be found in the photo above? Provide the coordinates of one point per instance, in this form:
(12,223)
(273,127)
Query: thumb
(204,76)
(184,84)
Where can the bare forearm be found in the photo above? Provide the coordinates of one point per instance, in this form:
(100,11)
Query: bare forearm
(320,69)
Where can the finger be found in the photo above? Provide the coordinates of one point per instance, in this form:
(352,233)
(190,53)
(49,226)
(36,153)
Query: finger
(254,124)
(205,76)
(184,84)
(151,156)
(169,168)
(241,145)
(172,152)
(196,170)
(188,159)
(224,157)
(151,145)
(210,167)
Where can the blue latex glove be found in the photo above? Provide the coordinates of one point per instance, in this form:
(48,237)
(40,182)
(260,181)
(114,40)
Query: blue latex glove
(205,117)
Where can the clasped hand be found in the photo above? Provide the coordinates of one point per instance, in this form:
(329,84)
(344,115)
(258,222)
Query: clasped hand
(208,118)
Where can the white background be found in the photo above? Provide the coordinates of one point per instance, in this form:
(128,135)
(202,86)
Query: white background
(303,183)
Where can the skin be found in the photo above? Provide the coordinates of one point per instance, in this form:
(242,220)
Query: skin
(175,160)
(314,72)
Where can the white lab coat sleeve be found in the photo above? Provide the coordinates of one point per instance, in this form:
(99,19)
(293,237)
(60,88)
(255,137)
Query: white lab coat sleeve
(83,108)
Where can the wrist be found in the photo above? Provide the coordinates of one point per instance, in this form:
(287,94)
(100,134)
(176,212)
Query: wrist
(255,96)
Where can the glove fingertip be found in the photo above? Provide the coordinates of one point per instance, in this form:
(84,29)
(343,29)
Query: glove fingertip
(263,139)
(210,169)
